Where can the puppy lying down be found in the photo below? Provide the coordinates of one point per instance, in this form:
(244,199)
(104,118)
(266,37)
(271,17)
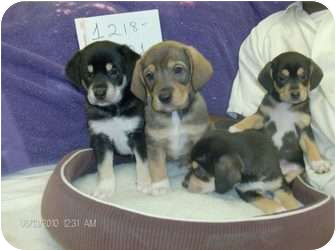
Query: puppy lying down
(246,161)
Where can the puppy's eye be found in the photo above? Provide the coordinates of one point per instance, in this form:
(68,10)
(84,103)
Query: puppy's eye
(302,77)
(114,71)
(201,174)
(111,69)
(149,76)
(282,79)
(90,71)
(178,69)
(90,75)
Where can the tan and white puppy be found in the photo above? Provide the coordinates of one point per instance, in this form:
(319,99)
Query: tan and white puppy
(167,78)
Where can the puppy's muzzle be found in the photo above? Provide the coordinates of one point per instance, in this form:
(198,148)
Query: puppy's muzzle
(99,91)
(165,95)
(295,94)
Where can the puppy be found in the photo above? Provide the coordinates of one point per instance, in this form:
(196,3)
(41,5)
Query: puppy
(115,116)
(167,78)
(246,161)
(285,114)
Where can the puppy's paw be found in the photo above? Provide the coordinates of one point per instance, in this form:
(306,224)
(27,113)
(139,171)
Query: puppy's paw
(320,166)
(290,170)
(144,187)
(161,187)
(144,180)
(234,129)
(104,189)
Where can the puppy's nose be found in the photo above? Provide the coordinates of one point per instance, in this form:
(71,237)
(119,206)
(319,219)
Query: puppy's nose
(165,95)
(100,91)
(295,94)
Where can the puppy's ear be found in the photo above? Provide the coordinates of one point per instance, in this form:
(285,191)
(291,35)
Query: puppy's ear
(73,69)
(265,77)
(130,57)
(227,173)
(201,69)
(201,173)
(316,75)
(138,84)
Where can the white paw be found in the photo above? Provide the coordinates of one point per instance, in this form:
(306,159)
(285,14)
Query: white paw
(161,187)
(144,180)
(144,187)
(233,129)
(104,189)
(320,166)
(290,170)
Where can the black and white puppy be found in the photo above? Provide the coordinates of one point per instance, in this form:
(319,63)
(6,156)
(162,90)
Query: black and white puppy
(115,116)
(246,161)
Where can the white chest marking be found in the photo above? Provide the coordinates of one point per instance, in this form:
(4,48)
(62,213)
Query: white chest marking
(178,137)
(117,129)
(284,120)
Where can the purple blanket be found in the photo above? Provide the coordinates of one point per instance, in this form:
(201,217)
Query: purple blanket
(43,116)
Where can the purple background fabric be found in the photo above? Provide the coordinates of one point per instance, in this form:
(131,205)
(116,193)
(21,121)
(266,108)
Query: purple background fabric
(43,116)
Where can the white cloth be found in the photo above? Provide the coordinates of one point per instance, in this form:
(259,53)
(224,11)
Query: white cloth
(312,35)
(21,222)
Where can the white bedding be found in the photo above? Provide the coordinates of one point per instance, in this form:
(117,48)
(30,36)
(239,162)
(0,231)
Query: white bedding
(178,203)
(21,201)
(21,196)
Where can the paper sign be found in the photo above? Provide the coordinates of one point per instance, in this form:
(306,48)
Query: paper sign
(139,30)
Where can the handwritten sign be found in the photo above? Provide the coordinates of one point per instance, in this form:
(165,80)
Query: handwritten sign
(139,30)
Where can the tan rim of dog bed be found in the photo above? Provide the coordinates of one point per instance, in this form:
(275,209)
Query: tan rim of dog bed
(78,221)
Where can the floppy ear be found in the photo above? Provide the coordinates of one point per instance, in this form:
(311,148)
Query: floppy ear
(316,75)
(201,69)
(227,173)
(265,77)
(138,84)
(72,69)
(130,57)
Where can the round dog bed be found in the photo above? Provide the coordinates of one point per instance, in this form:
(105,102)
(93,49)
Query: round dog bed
(79,221)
